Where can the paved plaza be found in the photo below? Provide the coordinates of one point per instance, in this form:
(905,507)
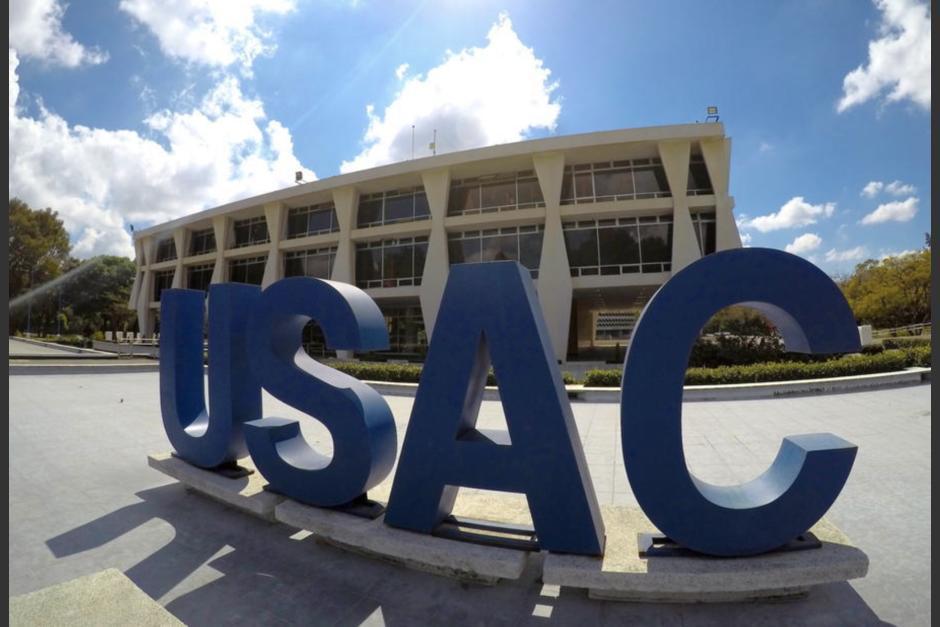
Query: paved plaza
(82,499)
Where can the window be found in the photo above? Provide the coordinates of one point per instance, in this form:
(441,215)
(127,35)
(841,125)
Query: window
(162,281)
(403,205)
(699,181)
(614,325)
(704,224)
(522,244)
(251,231)
(199,277)
(405,330)
(202,242)
(249,270)
(313,220)
(614,180)
(315,262)
(486,194)
(166,250)
(619,246)
(391,263)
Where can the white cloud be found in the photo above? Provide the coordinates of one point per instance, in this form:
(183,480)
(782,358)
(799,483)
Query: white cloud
(746,239)
(872,189)
(852,254)
(217,33)
(794,213)
(897,188)
(765,147)
(100,180)
(401,70)
(804,244)
(903,253)
(476,97)
(895,211)
(36,31)
(899,60)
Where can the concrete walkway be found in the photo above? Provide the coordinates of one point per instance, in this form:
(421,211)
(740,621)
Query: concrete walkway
(83,499)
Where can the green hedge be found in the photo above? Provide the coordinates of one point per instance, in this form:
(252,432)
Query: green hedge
(401,373)
(849,365)
(69,340)
(905,342)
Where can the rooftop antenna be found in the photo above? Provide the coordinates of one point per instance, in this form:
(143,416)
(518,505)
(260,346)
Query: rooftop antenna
(299,177)
(433,144)
(711,113)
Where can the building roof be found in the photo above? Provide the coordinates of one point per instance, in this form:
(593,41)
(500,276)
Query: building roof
(414,166)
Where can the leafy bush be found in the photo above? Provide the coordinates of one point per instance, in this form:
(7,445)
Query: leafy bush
(733,350)
(918,356)
(401,373)
(905,342)
(849,365)
(70,340)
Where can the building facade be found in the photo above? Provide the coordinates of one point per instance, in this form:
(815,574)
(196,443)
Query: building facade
(600,220)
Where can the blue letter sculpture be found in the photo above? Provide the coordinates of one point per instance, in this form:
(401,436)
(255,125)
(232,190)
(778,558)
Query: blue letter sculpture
(234,392)
(359,420)
(493,306)
(810,470)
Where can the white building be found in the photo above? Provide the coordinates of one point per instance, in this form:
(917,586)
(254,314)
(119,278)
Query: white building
(601,220)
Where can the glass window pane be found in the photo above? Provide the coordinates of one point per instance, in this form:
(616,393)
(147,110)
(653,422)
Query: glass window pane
(255,273)
(318,266)
(613,183)
(650,180)
(463,199)
(399,262)
(369,264)
(581,245)
(501,194)
(567,187)
(501,248)
(619,245)
(370,211)
(708,228)
(319,221)
(656,242)
(698,177)
(583,186)
(296,224)
(421,205)
(530,192)
(294,266)
(421,252)
(530,250)
(399,208)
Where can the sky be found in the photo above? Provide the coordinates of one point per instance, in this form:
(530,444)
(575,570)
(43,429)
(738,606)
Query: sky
(134,112)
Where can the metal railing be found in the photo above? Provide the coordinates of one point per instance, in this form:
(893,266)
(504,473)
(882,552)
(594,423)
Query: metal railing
(907,330)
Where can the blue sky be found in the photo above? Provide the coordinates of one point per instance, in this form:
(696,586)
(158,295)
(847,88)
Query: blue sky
(138,111)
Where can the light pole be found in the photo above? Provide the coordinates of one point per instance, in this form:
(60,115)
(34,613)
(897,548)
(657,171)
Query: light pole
(29,303)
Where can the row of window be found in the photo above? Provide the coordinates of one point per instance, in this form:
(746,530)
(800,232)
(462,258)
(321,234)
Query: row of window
(595,247)
(586,183)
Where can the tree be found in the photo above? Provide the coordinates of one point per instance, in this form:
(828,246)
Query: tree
(95,297)
(39,247)
(891,292)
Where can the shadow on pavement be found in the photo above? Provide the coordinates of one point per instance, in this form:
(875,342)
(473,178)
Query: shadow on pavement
(226,567)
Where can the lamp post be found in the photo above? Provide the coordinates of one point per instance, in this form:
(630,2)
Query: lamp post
(29,304)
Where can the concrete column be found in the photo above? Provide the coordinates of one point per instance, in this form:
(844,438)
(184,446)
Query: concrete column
(437,262)
(138,274)
(346,201)
(145,318)
(220,230)
(555,288)
(273,269)
(685,249)
(180,237)
(717,154)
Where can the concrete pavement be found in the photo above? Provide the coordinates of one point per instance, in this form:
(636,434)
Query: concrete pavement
(82,499)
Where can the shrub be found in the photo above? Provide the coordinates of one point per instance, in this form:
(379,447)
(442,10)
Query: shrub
(732,350)
(918,356)
(401,373)
(905,342)
(887,361)
(70,340)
